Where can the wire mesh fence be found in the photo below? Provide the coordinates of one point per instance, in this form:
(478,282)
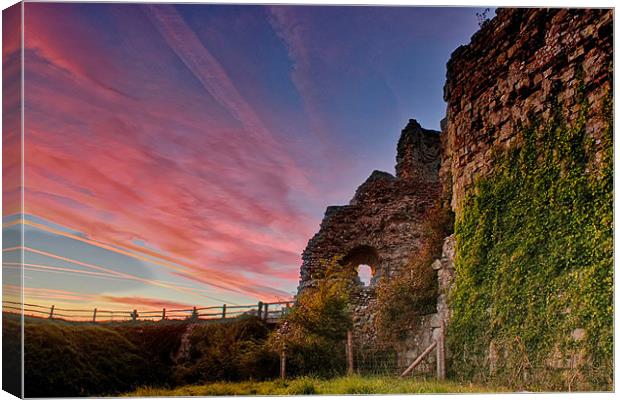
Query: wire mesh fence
(377,358)
(372,358)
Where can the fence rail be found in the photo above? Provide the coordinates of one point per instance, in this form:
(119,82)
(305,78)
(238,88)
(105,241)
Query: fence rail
(267,311)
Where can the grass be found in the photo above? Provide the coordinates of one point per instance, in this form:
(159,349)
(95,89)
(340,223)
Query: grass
(308,385)
(68,359)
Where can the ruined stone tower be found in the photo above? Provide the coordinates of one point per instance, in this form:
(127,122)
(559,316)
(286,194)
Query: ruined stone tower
(381,226)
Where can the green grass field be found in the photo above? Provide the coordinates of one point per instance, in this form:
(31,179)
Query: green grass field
(306,385)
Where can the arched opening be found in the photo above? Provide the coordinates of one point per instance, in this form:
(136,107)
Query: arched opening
(365,274)
(364,260)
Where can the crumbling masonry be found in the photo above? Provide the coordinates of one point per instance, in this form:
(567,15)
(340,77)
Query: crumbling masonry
(381,226)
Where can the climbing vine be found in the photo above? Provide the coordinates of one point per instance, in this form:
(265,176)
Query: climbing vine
(533,300)
(413,292)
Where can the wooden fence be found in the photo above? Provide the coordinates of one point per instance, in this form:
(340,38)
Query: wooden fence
(266,311)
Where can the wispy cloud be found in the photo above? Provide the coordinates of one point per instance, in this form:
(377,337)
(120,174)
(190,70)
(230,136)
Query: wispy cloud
(73,304)
(166,171)
(216,81)
(138,302)
(239,287)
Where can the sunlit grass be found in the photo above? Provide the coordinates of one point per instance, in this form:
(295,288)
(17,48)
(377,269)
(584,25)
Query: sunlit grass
(308,385)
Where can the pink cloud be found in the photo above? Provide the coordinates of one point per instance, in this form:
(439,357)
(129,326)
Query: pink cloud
(11,109)
(210,195)
(138,302)
(216,81)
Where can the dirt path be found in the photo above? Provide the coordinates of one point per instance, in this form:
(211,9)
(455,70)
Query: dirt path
(183,353)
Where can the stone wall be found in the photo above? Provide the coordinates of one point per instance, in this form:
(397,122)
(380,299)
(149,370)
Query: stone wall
(512,69)
(428,327)
(445,277)
(523,65)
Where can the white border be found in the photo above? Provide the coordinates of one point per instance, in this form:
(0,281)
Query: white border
(451,3)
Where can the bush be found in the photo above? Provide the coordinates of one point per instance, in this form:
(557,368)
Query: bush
(229,351)
(323,310)
(314,330)
(316,356)
(302,386)
(157,343)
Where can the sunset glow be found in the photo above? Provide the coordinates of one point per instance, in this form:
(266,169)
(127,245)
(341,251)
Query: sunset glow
(184,155)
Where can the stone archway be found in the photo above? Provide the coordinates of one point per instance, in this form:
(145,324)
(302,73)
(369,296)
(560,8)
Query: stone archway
(364,255)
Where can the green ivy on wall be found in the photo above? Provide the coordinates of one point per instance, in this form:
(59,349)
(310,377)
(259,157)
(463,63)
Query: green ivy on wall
(533,298)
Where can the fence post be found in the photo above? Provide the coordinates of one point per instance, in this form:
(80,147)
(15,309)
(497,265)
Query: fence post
(163,314)
(349,352)
(194,313)
(283,363)
(223,311)
(266,311)
(441,353)
(95,315)
(134,315)
(52,312)
(259,313)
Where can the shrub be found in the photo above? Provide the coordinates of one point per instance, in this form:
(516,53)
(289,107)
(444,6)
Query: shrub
(324,310)
(316,356)
(76,359)
(157,342)
(314,330)
(229,351)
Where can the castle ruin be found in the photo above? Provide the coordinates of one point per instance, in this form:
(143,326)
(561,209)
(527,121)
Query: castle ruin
(519,65)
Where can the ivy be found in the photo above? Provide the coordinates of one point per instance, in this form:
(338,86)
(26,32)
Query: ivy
(403,298)
(534,261)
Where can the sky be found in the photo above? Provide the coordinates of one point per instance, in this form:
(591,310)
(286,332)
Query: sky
(180,155)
